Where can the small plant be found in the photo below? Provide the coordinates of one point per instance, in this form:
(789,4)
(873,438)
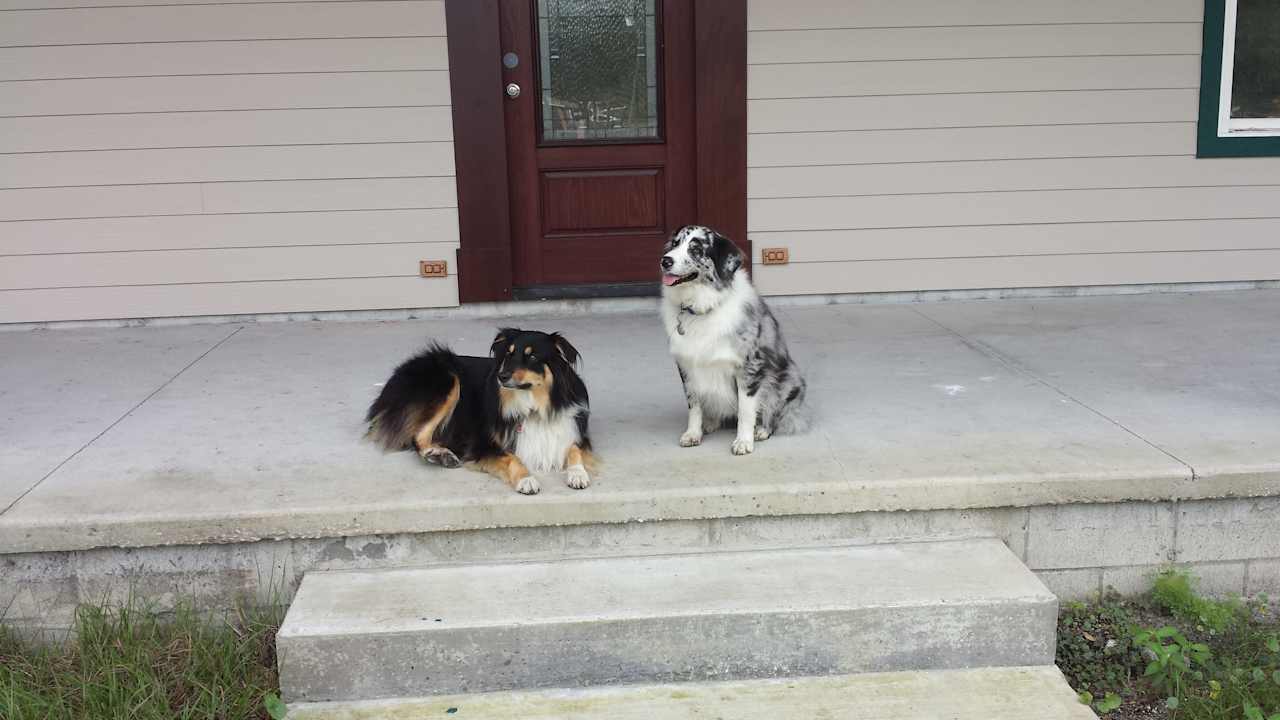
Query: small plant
(1174,591)
(1173,656)
(274,706)
(1253,712)
(1095,647)
(1174,660)
(1103,706)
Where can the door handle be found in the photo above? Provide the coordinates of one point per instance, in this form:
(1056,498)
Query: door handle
(513,91)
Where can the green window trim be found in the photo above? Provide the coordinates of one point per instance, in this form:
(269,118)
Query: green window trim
(1208,143)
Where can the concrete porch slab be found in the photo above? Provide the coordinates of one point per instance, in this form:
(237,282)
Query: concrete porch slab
(58,391)
(261,437)
(1197,379)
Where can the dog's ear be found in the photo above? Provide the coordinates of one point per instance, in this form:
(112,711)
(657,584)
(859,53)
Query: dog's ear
(566,350)
(725,255)
(502,340)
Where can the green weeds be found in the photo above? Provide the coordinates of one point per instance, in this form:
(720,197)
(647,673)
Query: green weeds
(1188,656)
(137,664)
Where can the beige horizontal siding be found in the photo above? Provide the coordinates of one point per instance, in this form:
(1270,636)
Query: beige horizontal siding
(225,58)
(219,198)
(277,296)
(224,92)
(1007,175)
(260,21)
(936,144)
(176,267)
(216,129)
(922,243)
(46,4)
(219,158)
(116,167)
(273,229)
(805,14)
(924,43)
(971,110)
(963,273)
(1022,207)
(977,143)
(907,77)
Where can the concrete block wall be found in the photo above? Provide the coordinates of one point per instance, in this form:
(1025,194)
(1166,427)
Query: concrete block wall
(1232,545)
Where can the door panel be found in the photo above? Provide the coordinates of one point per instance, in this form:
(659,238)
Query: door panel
(599,137)
(577,201)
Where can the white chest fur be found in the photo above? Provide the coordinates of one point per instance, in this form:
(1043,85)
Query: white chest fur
(542,442)
(704,341)
(701,323)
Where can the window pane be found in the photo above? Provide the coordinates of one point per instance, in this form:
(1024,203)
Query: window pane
(1255,84)
(599,69)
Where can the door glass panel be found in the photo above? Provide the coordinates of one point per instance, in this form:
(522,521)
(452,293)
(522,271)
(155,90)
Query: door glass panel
(599,62)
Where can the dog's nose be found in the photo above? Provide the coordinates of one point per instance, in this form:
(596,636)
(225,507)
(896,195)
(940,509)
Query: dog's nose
(667,262)
(504,376)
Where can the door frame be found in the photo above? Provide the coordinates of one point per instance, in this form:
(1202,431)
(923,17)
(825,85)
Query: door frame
(484,256)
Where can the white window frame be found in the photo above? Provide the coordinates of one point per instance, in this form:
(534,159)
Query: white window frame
(1227,125)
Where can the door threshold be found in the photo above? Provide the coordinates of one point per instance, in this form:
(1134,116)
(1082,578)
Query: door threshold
(587,291)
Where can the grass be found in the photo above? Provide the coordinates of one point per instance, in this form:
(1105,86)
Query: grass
(134,663)
(1173,655)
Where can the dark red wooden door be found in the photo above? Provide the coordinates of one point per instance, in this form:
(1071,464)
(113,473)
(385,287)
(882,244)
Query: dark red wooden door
(600,137)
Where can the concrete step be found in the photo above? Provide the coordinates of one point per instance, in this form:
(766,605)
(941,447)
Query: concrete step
(1019,693)
(708,616)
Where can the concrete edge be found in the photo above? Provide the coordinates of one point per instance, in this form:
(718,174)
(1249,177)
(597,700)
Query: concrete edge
(613,306)
(544,700)
(1037,594)
(815,497)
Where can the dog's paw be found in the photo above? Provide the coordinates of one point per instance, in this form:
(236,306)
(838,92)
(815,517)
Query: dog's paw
(441,456)
(762,433)
(743,447)
(690,439)
(576,477)
(528,485)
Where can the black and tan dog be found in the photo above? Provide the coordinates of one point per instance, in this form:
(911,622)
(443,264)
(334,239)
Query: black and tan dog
(520,412)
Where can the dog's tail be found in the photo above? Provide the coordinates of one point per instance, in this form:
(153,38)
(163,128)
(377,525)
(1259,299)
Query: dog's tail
(795,417)
(412,395)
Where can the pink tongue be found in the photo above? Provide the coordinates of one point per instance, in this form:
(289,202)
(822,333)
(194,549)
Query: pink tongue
(670,279)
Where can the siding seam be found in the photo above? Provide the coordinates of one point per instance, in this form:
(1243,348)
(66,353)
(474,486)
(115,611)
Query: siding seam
(446,243)
(1081,253)
(966,58)
(1013,224)
(1016,190)
(966,92)
(249,212)
(970,127)
(204,4)
(226,110)
(963,25)
(208,147)
(211,282)
(229,182)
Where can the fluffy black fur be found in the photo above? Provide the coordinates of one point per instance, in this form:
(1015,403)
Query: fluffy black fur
(493,405)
